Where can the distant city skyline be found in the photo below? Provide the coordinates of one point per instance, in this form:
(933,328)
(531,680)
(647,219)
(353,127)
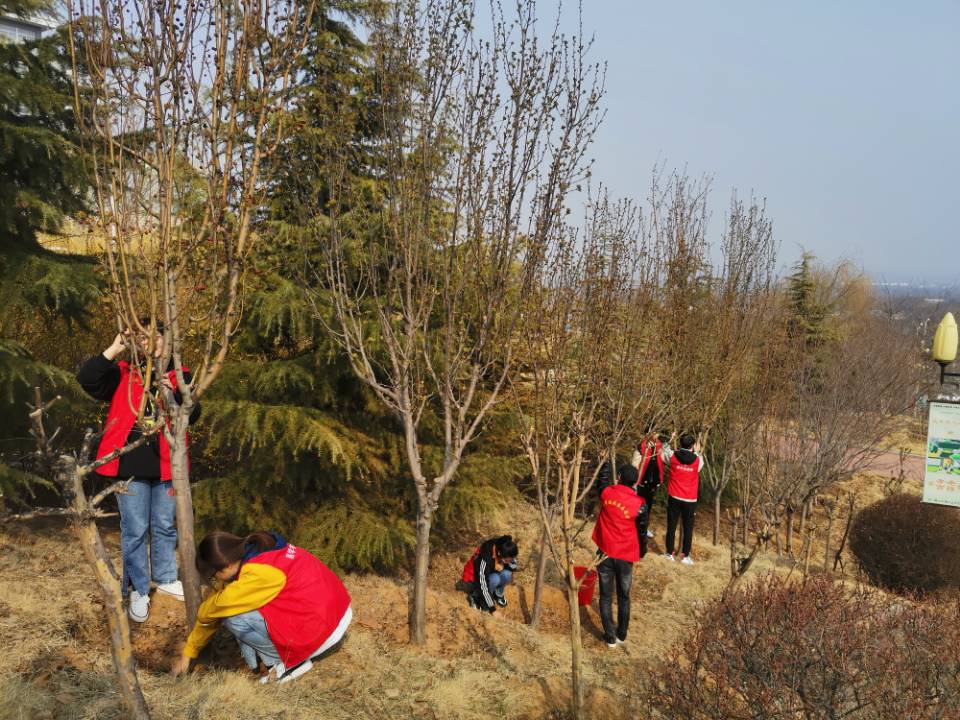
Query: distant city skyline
(844,116)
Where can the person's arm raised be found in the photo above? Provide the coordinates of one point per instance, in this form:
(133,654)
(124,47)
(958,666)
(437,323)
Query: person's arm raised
(99,376)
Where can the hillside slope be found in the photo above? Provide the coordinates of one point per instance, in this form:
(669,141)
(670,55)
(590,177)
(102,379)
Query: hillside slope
(57,663)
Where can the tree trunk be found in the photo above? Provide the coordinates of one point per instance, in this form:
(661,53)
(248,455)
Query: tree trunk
(790,514)
(418,598)
(716,519)
(537,608)
(838,555)
(186,541)
(109,583)
(576,661)
(826,542)
(804,511)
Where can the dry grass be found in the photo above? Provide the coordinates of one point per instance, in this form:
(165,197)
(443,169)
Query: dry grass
(57,663)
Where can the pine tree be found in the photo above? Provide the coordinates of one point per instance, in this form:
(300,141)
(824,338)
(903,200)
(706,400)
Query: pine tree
(291,439)
(43,296)
(808,314)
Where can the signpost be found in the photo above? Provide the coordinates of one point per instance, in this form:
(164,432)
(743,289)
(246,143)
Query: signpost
(941,477)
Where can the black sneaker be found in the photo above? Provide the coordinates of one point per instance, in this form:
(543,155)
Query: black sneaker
(471,602)
(500,600)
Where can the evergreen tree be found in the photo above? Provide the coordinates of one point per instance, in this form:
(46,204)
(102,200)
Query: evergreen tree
(43,295)
(291,439)
(808,314)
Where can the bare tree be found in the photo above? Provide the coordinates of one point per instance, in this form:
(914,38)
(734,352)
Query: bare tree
(482,140)
(68,472)
(845,378)
(179,101)
(588,370)
(734,379)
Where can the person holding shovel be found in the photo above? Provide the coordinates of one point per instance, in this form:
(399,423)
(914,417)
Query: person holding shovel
(617,535)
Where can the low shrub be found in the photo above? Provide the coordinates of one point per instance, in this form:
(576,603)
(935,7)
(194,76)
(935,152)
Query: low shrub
(906,545)
(812,649)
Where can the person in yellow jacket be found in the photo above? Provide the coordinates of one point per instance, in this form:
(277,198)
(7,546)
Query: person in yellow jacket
(284,606)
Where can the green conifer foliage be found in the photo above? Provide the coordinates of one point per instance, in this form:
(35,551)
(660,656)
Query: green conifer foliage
(41,167)
(807,313)
(291,439)
(45,298)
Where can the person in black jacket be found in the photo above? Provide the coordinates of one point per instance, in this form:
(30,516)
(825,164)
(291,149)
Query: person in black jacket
(148,505)
(648,459)
(487,573)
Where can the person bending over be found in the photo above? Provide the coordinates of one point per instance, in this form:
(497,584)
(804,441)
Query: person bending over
(488,572)
(617,535)
(283,605)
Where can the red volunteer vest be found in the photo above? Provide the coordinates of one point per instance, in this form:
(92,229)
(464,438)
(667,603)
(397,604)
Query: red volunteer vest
(308,608)
(684,479)
(121,418)
(469,575)
(616,530)
(645,458)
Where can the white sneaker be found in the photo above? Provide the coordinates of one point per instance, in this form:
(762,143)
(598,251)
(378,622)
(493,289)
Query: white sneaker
(138,606)
(296,672)
(621,642)
(687,560)
(669,556)
(174,588)
(612,645)
(274,672)
(649,534)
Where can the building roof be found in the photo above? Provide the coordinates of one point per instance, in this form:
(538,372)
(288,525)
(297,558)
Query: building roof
(24,21)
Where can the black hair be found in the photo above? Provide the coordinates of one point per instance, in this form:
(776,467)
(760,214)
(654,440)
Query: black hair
(221,549)
(687,441)
(506,547)
(628,475)
(145,322)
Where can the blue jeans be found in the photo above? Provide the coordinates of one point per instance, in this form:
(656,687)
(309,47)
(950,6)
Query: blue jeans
(250,630)
(148,506)
(497,581)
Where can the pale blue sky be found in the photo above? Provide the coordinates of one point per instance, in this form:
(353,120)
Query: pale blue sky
(845,115)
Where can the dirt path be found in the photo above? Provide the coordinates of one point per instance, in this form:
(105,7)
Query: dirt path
(888,463)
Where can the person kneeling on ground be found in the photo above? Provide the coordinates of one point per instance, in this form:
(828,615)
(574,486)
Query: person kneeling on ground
(488,572)
(617,535)
(282,604)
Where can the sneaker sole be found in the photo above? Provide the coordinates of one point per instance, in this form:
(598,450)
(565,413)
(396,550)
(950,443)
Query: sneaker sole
(296,672)
(170,594)
(137,619)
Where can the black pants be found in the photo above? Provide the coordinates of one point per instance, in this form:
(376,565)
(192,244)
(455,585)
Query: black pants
(643,521)
(680,510)
(619,573)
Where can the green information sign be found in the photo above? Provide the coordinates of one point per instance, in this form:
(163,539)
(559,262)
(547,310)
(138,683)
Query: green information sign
(941,479)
